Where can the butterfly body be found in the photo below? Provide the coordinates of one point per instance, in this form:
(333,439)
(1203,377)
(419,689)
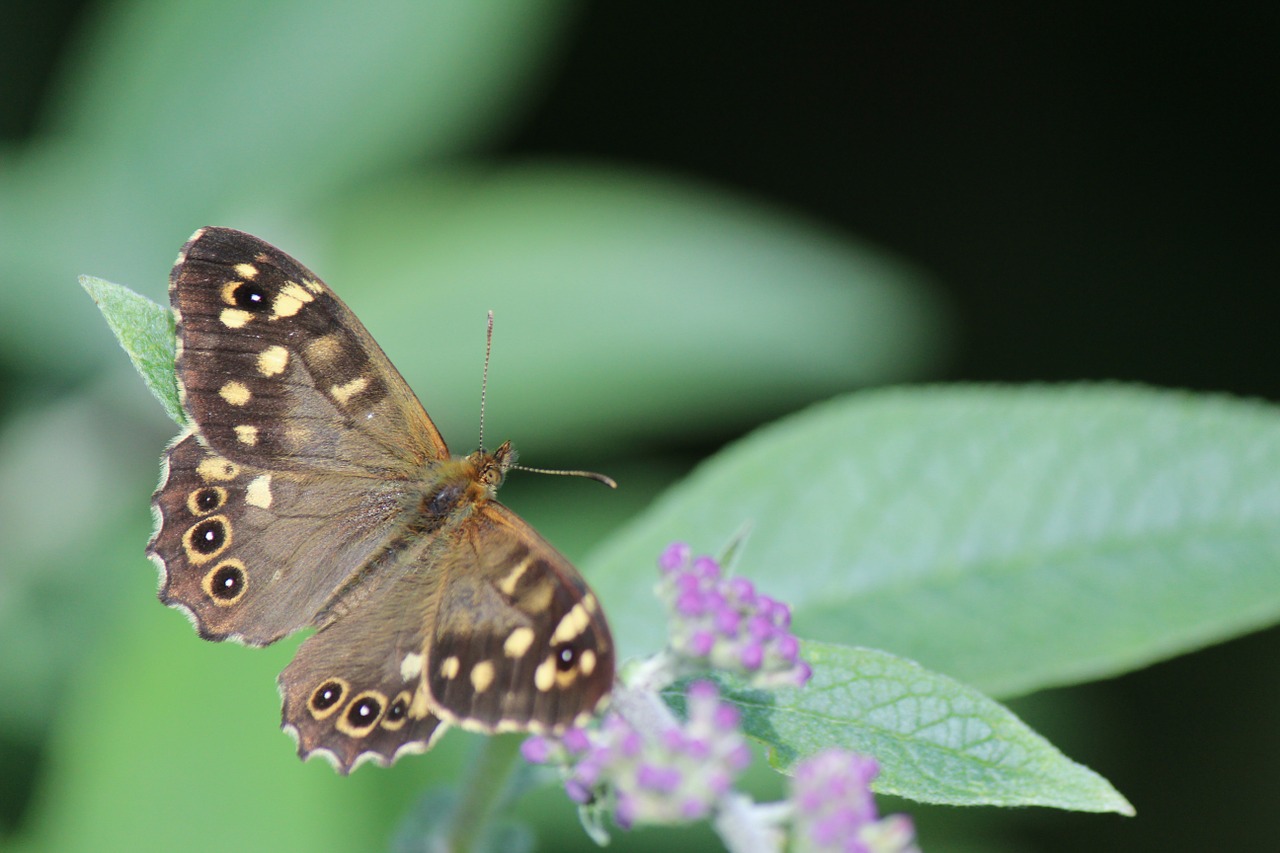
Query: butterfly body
(312,490)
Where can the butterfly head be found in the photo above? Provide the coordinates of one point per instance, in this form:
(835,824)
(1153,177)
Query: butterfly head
(491,467)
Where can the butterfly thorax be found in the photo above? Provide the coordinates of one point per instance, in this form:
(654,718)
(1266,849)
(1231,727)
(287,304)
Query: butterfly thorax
(454,486)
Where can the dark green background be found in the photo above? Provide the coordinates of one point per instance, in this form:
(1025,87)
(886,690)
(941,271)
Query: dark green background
(1092,189)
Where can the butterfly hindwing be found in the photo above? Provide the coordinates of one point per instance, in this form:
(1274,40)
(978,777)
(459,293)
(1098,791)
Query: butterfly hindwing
(354,690)
(520,641)
(254,555)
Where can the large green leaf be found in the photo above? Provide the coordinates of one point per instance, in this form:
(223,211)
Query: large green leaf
(1013,538)
(630,307)
(306,96)
(937,741)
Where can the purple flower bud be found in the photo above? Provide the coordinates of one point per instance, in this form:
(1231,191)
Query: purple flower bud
(577,791)
(787,647)
(742,591)
(631,744)
(703,692)
(536,750)
(728,621)
(804,673)
(625,813)
(693,809)
(752,656)
(760,628)
(706,567)
(691,603)
(726,717)
(655,778)
(576,740)
(676,555)
(834,810)
(701,643)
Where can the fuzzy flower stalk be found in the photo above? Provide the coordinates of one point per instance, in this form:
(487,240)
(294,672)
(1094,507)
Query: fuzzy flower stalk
(646,766)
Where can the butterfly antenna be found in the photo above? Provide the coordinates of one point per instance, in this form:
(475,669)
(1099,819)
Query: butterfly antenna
(484,387)
(484,382)
(590,475)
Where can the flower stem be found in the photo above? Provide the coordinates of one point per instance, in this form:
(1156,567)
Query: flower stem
(484,790)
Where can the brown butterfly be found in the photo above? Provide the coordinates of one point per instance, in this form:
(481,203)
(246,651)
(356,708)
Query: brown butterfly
(312,490)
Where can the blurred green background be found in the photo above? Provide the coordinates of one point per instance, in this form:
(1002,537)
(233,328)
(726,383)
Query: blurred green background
(688,221)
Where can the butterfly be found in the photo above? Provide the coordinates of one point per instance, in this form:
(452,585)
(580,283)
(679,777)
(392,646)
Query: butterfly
(312,490)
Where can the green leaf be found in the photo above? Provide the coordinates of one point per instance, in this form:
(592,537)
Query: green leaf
(629,306)
(305,98)
(1014,538)
(145,331)
(937,740)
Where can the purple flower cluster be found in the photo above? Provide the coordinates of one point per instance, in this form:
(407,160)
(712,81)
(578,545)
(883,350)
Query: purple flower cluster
(835,812)
(725,623)
(675,777)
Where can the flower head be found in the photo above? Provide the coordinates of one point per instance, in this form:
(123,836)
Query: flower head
(672,776)
(725,623)
(835,811)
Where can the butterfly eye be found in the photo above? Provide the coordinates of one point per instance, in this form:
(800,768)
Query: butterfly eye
(251,297)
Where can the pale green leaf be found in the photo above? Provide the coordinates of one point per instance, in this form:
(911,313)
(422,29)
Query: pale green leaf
(145,331)
(1011,537)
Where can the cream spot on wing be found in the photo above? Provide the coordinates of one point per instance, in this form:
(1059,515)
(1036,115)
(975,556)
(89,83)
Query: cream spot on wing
(508,584)
(571,625)
(217,468)
(420,706)
(235,393)
(312,285)
(247,434)
(539,598)
(248,271)
(258,492)
(229,291)
(518,642)
(325,349)
(589,602)
(296,435)
(273,360)
(482,676)
(234,318)
(587,662)
(449,667)
(411,666)
(343,393)
(545,675)
(289,300)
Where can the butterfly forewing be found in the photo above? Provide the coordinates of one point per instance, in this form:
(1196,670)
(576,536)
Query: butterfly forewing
(311,489)
(276,371)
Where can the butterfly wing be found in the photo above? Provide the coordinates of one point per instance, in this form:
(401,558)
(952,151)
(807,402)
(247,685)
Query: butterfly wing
(489,628)
(276,372)
(252,554)
(519,640)
(305,441)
